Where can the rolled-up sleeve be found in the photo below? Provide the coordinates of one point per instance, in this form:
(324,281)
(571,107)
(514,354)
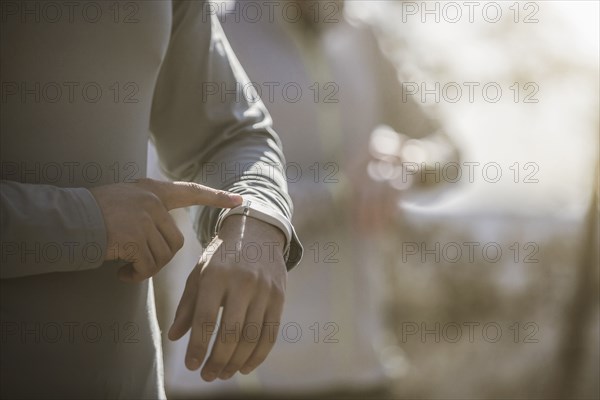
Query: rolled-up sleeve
(209,128)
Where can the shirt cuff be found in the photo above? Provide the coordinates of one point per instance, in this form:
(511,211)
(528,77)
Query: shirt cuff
(293,250)
(94,229)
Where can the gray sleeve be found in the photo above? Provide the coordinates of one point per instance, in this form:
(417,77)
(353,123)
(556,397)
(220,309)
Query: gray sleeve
(49,229)
(207,131)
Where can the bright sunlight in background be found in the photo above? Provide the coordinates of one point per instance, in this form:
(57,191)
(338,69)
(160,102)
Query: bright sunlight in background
(557,135)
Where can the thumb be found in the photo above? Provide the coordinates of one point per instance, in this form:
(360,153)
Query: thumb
(185,194)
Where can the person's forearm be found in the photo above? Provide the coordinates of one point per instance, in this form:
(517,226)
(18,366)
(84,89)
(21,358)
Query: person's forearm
(226,143)
(48,229)
(249,231)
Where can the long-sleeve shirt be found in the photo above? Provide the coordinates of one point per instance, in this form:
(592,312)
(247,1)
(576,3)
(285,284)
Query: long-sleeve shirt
(347,89)
(83,86)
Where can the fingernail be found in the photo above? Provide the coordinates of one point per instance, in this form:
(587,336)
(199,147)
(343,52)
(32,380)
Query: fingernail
(236,197)
(193,364)
(225,375)
(246,371)
(210,376)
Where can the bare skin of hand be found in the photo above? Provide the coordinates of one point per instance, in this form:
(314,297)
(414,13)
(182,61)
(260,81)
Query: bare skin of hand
(140,229)
(249,284)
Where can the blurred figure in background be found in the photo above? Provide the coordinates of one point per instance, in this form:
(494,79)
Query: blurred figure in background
(344,131)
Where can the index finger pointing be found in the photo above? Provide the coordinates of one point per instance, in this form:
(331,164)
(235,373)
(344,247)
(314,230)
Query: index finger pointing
(185,194)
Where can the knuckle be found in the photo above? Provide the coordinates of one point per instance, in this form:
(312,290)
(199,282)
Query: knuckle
(222,196)
(189,185)
(249,277)
(263,285)
(278,293)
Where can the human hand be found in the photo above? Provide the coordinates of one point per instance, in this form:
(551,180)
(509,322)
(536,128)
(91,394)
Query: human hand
(242,270)
(140,229)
